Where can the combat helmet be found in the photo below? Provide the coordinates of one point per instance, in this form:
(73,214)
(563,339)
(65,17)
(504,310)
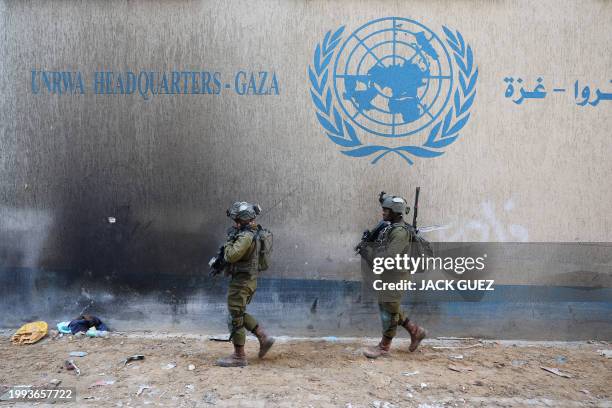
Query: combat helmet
(242,210)
(395,203)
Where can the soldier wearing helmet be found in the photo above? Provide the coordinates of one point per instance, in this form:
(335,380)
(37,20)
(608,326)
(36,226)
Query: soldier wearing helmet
(241,262)
(395,238)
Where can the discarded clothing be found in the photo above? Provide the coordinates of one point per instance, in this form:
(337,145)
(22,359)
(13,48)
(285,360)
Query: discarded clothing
(62,327)
(83,323)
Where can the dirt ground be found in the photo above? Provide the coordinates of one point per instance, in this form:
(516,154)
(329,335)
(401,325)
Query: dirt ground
(312,373)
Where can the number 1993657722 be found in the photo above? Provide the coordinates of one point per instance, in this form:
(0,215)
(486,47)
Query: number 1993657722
(24,393)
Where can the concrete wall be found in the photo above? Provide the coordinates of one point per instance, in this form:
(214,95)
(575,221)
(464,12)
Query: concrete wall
(167,168)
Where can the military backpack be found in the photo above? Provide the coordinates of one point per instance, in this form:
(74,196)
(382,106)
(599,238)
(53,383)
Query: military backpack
(265,238)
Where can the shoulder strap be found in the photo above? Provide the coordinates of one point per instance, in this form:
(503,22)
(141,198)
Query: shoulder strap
(409,228)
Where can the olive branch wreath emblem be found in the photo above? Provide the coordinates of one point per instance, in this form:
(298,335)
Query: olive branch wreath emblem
(442,134)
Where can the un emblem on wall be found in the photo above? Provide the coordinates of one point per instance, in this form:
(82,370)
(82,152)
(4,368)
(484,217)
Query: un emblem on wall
(399,85)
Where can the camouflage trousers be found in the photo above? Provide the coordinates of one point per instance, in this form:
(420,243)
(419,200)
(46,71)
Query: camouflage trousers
(240,293)
(391,315)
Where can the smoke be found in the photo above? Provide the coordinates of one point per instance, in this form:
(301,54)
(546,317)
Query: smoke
(23,232)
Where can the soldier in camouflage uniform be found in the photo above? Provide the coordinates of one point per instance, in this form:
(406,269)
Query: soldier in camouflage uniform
(241,256)
(396,238)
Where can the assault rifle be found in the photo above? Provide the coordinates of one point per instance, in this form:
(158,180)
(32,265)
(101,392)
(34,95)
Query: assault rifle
(217,263)
(422,246)
(416,208)
(370,235)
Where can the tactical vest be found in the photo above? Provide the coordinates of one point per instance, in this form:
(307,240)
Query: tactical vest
(249,263)
(416,246)
(383,237)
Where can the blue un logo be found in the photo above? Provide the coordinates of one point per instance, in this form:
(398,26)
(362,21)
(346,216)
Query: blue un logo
(393,77)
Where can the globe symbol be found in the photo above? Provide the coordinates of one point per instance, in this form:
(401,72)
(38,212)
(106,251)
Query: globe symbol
(393,77)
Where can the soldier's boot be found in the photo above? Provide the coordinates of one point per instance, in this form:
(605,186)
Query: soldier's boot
(236,359)
(417,334)
(265,341)
(380,350)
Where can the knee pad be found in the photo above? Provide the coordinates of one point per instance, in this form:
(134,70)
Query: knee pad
(389,320)
(235,322)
